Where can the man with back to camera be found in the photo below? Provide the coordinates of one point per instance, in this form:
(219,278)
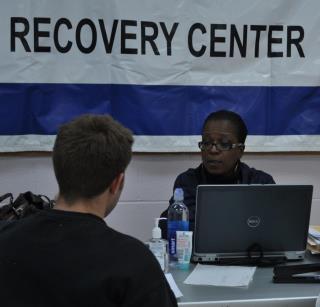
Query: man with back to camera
(222,146)
(68,256)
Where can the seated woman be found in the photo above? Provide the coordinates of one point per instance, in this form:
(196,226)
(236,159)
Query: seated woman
(222,146)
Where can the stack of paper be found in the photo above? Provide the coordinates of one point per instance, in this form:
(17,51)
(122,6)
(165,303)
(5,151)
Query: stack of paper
(173,286)
(313,243)
(226,276)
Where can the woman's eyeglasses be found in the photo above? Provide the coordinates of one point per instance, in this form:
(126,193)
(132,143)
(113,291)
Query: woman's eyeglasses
(224,146)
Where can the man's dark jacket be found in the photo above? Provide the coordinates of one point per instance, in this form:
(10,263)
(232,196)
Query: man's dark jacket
(58,258)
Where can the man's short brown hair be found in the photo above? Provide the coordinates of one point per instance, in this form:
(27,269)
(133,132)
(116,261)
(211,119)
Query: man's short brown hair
(89,152)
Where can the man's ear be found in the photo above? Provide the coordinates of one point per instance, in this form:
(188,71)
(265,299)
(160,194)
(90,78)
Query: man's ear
(117,184)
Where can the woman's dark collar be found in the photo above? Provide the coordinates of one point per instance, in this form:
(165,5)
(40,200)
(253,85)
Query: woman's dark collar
(207,178)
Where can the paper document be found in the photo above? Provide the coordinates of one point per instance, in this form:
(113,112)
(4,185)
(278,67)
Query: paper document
(173,286)
(314,234)
(227,276)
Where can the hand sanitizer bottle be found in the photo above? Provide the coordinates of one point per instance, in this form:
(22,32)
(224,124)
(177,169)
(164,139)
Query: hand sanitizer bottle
(159,247)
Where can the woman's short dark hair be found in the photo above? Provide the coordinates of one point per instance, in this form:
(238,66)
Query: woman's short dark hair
(89,152)
(234,118)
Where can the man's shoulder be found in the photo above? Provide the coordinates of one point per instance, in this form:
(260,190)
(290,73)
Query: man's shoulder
(250,175)
(124,239)
(15,226)
(136,257)
(5,225)
(126,243)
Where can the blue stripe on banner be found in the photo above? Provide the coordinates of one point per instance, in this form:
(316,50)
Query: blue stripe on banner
(159,110)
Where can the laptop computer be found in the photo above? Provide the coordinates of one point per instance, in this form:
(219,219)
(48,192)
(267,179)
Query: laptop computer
(251,221)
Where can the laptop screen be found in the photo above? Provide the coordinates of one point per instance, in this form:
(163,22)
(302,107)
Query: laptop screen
(231,218)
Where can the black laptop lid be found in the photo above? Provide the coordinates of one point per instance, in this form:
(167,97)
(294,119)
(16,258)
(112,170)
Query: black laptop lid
(230,218)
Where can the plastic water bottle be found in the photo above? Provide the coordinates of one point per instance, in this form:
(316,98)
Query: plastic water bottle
(178,219)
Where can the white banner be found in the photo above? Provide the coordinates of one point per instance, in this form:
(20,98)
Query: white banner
(160,68)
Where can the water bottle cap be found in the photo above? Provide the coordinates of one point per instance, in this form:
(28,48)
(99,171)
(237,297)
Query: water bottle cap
(178,194)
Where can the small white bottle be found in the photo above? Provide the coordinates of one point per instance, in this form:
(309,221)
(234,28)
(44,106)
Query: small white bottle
(159,246)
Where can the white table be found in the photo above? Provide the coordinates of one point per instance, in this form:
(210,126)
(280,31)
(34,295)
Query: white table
(261,292)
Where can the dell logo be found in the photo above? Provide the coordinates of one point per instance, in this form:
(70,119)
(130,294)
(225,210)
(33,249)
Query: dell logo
(253,221)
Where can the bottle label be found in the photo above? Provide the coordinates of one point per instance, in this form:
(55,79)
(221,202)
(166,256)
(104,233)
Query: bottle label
(173,226)
(159,251)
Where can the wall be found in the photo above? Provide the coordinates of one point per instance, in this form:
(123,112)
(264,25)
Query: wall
(149,181)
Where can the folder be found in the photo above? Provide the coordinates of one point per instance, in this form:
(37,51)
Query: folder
(301,273)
